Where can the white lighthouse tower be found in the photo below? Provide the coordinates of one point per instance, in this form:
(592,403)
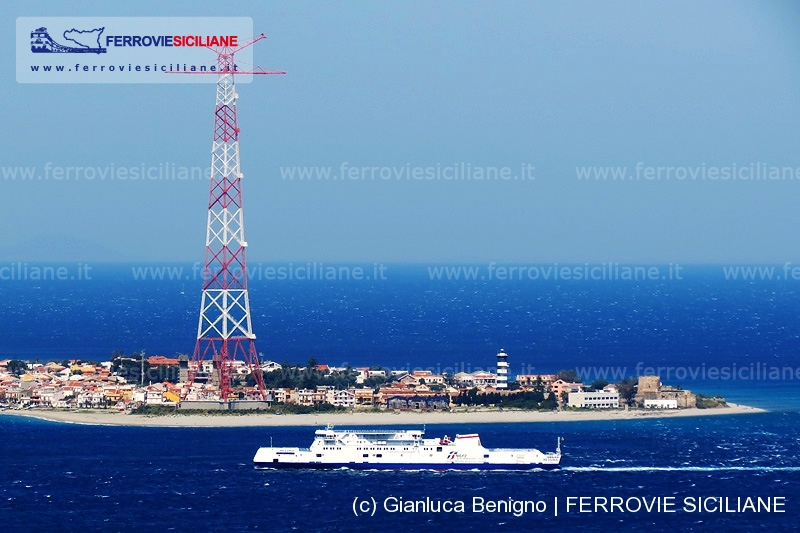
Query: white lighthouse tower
(502,369)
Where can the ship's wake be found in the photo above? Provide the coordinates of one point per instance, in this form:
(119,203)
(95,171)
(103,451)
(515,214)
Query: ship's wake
(681,468)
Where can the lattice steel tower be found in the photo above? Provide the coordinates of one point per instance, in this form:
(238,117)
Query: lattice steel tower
(225,329)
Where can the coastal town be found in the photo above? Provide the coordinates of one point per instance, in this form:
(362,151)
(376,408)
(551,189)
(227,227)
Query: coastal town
(139,383)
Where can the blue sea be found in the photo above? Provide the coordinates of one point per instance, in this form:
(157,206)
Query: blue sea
(65,477)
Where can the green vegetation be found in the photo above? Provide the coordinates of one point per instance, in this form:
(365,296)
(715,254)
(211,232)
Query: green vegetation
(295,376)
(68,363)
(162,410)
(17,367)
(709,402)
(598,384)
(627,391)
(130,368)
(294,409)
(520,400)
(570,376)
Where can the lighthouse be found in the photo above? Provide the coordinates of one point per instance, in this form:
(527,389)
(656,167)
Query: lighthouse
(502,369)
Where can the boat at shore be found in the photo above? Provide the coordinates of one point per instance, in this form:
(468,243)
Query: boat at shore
(402,449)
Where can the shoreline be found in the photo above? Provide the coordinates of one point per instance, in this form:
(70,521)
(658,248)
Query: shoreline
(113,418)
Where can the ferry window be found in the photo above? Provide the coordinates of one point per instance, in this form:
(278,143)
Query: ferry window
(366,455)
(319,455)
(486,456)
(378,455)
(438,448)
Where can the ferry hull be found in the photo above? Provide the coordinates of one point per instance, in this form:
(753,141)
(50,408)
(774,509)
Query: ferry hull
(403,466)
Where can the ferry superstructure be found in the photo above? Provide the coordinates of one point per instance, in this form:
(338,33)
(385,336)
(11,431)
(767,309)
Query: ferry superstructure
(402,449)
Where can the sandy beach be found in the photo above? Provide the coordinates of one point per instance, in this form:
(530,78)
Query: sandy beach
(366,418)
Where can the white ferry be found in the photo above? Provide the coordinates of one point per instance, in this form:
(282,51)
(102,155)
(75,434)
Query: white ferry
(393,449)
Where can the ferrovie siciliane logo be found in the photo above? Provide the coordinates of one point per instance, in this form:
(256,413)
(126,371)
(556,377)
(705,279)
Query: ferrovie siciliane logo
(126,49)
(81,42)
(88,41)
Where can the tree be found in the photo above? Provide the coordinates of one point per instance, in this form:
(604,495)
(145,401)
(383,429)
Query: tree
(599,384)
(340,380)
(17,367)
(310,379)
(549,403)
(627,390)
(374,381)
(570,376)
(130,368)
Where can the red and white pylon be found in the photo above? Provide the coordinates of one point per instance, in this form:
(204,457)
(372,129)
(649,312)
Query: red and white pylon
(225,329)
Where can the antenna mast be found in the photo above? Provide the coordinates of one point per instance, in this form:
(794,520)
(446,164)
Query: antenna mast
(225,329)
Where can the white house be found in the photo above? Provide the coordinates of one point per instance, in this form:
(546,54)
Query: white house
(270,366)
(605,399)
(341,398)
(464,379)
(661,404)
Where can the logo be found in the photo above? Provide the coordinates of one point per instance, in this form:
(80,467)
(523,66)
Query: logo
(87,41)
(452,456)
(127,49)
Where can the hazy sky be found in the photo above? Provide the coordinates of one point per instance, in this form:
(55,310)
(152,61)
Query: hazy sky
(555,85)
